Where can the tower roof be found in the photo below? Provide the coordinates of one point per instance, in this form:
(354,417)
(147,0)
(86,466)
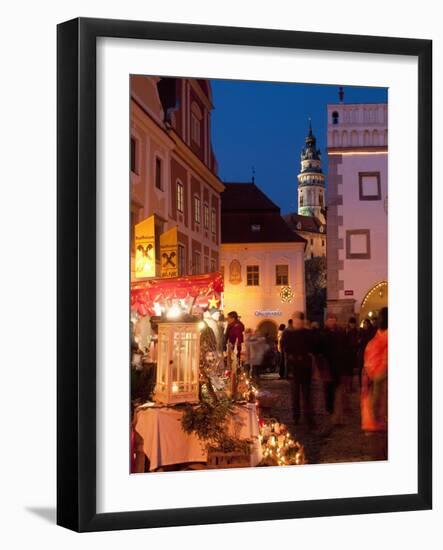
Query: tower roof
(310,151)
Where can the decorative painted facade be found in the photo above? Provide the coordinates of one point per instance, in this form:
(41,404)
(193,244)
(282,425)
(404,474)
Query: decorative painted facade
(357,209)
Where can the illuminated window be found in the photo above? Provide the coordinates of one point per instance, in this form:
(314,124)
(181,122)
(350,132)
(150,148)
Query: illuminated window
(181,260)
(252,275)
(197,209)
(180,197)
(206,216)
(282,275)
(213,221)
(196,263)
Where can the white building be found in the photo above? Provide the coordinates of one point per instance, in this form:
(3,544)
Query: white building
(262,260)
(357,209)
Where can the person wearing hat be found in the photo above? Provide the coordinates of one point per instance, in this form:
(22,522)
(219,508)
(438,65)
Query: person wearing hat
(297,346)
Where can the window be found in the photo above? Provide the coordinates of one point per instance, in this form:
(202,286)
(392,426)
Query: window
(197,209)
(312,242)
(158,173)
(358,244)
(282,275)
(206,216)
(181,260)
(195,129)
(335,117)
(134,155)
(321,199)
(323,242)
(301,200)
(252,275)
(180,197)
(206,265)
(213,221)
(369,186)
(255,227)
(213,265)
(196,263)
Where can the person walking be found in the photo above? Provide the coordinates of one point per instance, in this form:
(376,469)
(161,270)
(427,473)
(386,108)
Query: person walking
(374,392)
(281,351)
(367,332)
(296,343)
(333,351)
(351,354)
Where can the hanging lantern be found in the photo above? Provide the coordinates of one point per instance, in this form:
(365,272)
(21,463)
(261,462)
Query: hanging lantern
(178,362)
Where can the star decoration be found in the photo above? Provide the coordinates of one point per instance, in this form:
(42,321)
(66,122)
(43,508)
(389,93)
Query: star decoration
(212,303)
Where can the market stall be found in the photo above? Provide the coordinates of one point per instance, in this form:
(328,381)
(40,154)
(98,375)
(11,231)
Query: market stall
(200,406)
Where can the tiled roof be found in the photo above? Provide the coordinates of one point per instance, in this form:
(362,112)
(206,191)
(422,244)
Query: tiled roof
(246,196)
(303,223)
(249,216)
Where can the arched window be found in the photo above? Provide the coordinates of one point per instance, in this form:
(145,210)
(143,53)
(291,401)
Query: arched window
(344,139)
(386,138)
(354,138)
(366,138)
(375,138)
(335,117)
(301,200)
(335,139)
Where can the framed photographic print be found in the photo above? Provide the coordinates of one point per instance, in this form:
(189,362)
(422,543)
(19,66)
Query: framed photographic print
(226,263)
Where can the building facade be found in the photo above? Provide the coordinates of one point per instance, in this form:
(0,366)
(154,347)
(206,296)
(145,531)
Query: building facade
(310,221)
(357,209)
(262,260)
(174,178)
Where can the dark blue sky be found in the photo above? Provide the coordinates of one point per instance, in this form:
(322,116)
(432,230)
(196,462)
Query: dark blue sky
(264,124)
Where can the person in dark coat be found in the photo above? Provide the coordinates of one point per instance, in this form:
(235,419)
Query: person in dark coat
(351,353)
(234,332)
(281,351)
(333,350)
(297,346)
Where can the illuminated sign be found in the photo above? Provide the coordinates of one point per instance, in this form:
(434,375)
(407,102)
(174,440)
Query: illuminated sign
(169,253)
(268,313)
(145,248)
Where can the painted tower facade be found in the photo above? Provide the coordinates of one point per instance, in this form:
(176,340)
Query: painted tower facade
(311,180)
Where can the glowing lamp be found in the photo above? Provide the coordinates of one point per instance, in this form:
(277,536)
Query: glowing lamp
(178,363)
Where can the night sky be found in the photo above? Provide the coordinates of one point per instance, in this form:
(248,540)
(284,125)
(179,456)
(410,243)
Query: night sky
(264,124)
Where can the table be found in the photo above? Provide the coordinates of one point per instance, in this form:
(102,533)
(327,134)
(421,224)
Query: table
(165,443)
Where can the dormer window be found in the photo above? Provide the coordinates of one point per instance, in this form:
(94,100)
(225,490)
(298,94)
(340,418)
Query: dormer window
(255,227)
(335,117)
(196,122)
(299,225)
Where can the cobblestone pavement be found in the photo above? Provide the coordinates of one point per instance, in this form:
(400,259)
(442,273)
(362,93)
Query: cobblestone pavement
(326,443)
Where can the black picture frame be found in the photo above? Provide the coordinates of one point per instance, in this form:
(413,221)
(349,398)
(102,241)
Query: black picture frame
(76,280)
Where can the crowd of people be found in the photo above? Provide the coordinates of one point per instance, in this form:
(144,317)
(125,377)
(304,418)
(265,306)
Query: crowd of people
(343,360)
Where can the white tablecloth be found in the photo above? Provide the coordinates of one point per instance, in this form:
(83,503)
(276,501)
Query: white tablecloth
(165,443)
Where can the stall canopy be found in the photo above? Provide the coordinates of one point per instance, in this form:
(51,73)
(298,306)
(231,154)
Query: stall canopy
(152,295)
